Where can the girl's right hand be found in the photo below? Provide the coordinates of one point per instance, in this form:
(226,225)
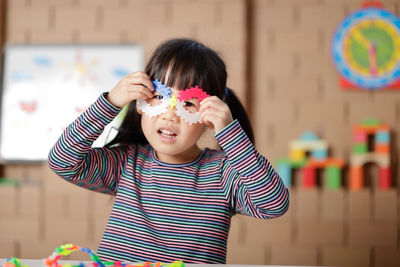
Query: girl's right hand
(133,86)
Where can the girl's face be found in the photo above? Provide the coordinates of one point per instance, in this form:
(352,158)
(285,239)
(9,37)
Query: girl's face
(172,137)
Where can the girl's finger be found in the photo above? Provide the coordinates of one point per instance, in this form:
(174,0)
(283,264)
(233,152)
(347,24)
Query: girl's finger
(212,115)
(141,89)
(213,105)
(140,78)
(136,95)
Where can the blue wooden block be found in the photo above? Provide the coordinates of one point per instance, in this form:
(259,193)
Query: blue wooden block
(319,154)
(285,172)
(382,137)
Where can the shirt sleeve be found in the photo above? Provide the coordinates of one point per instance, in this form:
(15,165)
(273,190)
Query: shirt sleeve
(257,189)
(74,159)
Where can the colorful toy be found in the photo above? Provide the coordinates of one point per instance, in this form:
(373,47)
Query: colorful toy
(67,249)
(160,105)
(309,153)
(366,48)
(378,152)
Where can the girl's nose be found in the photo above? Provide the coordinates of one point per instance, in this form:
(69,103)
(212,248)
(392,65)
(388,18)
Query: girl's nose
(171,113)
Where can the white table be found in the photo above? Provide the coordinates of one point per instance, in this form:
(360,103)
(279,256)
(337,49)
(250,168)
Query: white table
(40,263)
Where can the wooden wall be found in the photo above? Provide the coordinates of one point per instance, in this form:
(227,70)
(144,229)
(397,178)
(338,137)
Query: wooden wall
(278,57)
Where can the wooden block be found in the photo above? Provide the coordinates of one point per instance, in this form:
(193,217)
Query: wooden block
(51,37)
(246,255)
(54,205)
(19,230)
(102,204)
(16,4)
(267,232)
(284,112)
(346,256)
(305,88)
(231,13)
(307,205)
(275,64)
(192,12)
(29,201)
(8,249)
(27,19)
(72,230)
(82,19)
(99,3)
(160,13)
(291,255)
(121,19)
(329,18)
(237,231)
(98,227)
(306,42)
(50,3)
(319,112)
(359,209)
(100,37)
(291,3)
(8,201)
(373,235)
(333,205)
(77,204)
(320,234)
(272,18)
(36,250)
(318,64)
(385,207)
(388,257)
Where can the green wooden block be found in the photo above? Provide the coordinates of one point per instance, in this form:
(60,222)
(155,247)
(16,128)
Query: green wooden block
(370,122)
(299,164)
(360,148)
(333,177)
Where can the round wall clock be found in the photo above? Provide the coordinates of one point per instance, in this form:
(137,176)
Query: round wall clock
(366,48)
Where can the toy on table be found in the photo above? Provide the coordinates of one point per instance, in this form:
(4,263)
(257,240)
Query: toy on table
(310,153)
(67,249)
(379,153)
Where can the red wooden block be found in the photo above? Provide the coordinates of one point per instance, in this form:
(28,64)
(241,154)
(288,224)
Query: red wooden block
(384,178)
(309,177)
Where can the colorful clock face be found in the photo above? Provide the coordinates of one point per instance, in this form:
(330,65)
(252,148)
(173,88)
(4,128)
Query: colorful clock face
(366,48)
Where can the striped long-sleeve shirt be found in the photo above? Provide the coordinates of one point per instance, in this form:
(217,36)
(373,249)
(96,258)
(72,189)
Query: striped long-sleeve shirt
(165,212)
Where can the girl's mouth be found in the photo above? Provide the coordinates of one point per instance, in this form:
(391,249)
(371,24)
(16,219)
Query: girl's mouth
(166,134)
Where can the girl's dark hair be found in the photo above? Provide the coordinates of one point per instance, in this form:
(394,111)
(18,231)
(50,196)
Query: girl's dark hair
(187,63)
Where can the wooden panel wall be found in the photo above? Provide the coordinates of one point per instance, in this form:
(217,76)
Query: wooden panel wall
(279,63)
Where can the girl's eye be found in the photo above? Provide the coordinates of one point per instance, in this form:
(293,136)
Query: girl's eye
(188,104)
(155,100)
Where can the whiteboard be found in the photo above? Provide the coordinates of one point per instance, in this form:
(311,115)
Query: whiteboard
(46,87)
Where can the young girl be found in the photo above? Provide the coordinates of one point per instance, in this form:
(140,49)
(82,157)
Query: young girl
(173,201)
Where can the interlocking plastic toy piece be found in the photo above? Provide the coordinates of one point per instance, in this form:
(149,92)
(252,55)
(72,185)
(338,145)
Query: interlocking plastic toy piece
(67,249)
(153,110)
(193,92)
(172,102)
(162,88)
(186,115)
(13,262)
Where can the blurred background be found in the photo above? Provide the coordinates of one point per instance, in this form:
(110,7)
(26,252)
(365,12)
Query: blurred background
(279,60)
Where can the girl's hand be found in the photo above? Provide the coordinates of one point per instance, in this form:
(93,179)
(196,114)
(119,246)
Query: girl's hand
(214,112)
(133,86)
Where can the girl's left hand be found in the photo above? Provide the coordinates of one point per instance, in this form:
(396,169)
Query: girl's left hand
(215,112)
